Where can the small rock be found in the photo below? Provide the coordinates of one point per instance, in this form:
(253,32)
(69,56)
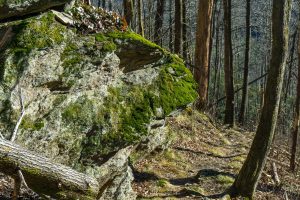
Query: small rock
(63,18)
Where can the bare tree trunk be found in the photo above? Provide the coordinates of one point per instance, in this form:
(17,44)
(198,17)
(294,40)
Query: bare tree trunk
(110,5)
(88,2)
(57,181)
(159,17)
(140,17)
(211,41)
(202,50)
(246,182)
(228,65)
(178,27)
(184,31)
(296,122)
(246,66)
(290,67)
(171,45)
(128,11)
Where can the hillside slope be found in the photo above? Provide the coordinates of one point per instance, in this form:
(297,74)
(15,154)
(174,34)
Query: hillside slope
(202,162)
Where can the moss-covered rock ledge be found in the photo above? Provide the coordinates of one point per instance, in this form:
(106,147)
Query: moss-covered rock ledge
(85,95)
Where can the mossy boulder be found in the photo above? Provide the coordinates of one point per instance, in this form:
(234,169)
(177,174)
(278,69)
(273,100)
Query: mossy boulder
(17,8)
(85,95)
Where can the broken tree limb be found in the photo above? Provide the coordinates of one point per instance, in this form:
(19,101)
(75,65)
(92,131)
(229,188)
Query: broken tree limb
(278,162)
(43,176)
(14,135)
(275,174)
(51,179)
(239,89)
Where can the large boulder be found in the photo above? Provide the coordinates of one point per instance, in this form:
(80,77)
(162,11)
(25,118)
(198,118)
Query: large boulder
(86,96)
(14,8)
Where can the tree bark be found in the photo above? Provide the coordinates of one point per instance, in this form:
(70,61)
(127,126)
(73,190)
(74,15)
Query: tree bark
(159,17)
(128,11)
(296,122)
(57,181)
(178,27)
(140,18)
(184,31)
(110,5)
(171,45)
(246,182)
(290,67)
(88,2)
(202,50)
(244,102)
(228,65)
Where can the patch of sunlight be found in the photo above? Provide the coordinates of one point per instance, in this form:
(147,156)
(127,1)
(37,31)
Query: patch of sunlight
(226,180)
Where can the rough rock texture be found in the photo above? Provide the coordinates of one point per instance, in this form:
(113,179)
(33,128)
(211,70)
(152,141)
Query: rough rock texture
(86,95)
(13,8)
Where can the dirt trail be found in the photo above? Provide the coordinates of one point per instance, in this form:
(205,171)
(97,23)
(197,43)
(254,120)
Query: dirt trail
(202,162)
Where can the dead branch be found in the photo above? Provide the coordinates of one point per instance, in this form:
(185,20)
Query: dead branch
(55,180)
(275,174)
(278,162)
(14,135)
(286,197)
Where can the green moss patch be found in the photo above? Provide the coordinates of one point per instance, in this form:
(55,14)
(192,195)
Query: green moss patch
(133,37)
(120,121)
(108,44)
(29,124)
(36,33)
(177,88)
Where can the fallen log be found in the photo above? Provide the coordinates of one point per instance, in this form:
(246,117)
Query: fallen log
(55,180)
(275,174)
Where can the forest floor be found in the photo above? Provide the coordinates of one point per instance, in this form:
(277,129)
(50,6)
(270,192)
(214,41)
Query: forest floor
(202,162)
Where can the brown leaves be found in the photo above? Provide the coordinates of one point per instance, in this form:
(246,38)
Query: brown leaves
(90,19)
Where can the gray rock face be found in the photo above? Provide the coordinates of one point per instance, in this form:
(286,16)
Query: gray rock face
(14,8)
(121,188)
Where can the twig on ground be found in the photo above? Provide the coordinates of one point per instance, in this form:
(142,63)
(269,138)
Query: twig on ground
(275,174)
(286,197)
(278,162)
(23,182)
(14,135)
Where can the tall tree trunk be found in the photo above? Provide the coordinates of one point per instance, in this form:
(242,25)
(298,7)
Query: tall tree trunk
(246,182)
(88,2)
(202,50)
(184,31)
(290,67)
(228,65)
(246,66)
(178,27)
(128,11)
(148,17)
(211,41)
(140,17)
(104,4)
(159,17)
(171,45)
(296,122)
(110,5)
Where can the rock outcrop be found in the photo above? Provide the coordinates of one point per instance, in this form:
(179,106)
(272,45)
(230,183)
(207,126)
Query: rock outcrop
(17,8)
(86,96)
